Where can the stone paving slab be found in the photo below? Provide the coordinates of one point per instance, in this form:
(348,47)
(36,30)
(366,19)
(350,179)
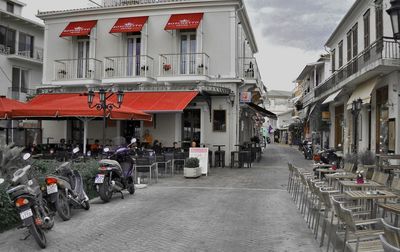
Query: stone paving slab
(230,210)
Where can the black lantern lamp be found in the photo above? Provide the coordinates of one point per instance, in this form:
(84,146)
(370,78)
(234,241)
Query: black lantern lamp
(102,95)
(120,97)
(394,12)
(356,105)
(232,98)
(90,97)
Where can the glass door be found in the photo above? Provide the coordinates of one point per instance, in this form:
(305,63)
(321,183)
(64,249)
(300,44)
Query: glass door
(188,53)
(133,59)
(83,59)
(191,127)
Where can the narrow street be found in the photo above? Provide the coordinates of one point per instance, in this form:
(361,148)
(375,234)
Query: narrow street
(230,210)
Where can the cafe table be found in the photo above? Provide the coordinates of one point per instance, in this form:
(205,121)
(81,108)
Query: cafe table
(371,196)
(340,175)
(324,170)
(393,208)
(353,185)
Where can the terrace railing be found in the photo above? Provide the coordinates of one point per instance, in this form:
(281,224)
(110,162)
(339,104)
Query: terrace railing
(248,68)
(184,64)
(129,67)
(73,69)
(36,54)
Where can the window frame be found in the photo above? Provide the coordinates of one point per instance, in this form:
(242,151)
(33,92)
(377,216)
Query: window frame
(333,55)
(223,129)
(367,28)
(20,87)
(379,19)
(340,47)
(10,7)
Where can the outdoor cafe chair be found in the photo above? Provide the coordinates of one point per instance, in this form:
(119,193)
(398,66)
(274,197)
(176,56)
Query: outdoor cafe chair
(391,233)
(147,165)
(387,247)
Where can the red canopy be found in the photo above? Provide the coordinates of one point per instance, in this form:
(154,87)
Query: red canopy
(7,105)
(73,105)
(130,24)
(80,28)
(153,102)
(184,21)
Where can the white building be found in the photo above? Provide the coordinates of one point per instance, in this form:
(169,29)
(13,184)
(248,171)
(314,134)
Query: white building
(21,62)
(158,46)
(365,65)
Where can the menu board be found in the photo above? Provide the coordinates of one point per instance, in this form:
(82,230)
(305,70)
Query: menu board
(202,155)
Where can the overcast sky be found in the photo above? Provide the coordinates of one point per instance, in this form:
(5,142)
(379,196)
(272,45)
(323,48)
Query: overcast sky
(289,33)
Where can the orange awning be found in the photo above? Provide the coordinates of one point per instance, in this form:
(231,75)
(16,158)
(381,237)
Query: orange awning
(184,21)
(130,24)
(73,105)
(153,102)
(7,105)
(80,28)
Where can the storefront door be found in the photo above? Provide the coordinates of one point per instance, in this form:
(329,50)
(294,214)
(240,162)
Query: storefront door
(382,121)
(191,127)
(339,120)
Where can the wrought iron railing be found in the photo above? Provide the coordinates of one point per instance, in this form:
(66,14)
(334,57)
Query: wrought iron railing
(5,50)
(129,67)
(36,54)
(385,48)
(184,64)
(73,69)
(248,68)
(110,3)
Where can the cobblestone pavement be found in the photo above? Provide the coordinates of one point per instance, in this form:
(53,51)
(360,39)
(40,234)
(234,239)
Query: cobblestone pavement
(230,210)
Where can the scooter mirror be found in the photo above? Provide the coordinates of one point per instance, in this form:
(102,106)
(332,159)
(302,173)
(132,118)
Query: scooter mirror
(75,150)
(26,156)
(89,153)
(133,140)
(1,181)
(106,149)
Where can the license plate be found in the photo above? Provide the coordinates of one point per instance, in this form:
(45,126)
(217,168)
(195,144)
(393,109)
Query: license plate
(99,179)
(52,189)
(26,214)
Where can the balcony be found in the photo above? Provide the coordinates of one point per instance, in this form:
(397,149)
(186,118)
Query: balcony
(21,94)
(78,71)
(248,70)
(33,56)
(111,3)
(379,58)
(189,67)
(124,69)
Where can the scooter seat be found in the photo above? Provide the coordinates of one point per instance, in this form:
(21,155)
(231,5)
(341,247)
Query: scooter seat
(109,162)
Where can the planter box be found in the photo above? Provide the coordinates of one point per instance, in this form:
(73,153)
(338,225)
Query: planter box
(192,172)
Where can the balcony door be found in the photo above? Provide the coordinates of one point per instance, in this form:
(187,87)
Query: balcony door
(188,53)
(83,58)
(133,56)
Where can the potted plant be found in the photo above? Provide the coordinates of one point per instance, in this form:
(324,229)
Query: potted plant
(166,67)
(192,168)
(109,71)
(144,68)
(62,74)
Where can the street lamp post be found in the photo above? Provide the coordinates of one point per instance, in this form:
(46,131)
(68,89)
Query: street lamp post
(355,110)
(394,12)
(104,105)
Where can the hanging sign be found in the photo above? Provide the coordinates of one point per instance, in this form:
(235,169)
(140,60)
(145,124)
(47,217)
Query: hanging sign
(202,155)
(245,97)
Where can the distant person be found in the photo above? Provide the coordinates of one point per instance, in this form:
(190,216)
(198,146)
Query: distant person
(95,148)
(62,145)
(194,144)
(147,138)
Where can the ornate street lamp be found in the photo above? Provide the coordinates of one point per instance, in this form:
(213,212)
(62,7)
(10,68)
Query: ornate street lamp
(105,106)
(356,107)
(394,12)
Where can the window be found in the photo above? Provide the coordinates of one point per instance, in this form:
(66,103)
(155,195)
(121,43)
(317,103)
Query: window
(219,120)
(366,29)
(7,40)
(333,60)
(20,80)
(10,7)
(349,51)
(379,19)
(25,45)
(340,54)
(355,40)
(188,46)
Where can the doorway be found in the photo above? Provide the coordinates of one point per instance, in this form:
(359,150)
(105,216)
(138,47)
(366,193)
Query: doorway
(133,53)
(83,58)
(191,127)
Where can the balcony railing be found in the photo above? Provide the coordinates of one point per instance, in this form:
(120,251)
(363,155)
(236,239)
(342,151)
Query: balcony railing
(109,3)
(385,48)
(128,67)
(36,54)
(74,69)
(248,68)
(5,50)
(184,64)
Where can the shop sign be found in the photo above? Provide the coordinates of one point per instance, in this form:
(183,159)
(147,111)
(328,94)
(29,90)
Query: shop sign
(326,116)
(202,155)
(245,97)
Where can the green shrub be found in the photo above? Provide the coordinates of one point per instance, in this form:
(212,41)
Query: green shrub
(192,162)
(8,214)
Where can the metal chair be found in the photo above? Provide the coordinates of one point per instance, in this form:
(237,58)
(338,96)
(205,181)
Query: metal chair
(387,247)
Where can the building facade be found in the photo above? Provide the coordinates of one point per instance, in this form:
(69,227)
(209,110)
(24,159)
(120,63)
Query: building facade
(159,47)
(21,64)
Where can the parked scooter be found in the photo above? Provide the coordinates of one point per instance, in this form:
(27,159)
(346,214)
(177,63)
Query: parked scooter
(307,150)
(65,189)
(32,208)
(328,156)
(116,173)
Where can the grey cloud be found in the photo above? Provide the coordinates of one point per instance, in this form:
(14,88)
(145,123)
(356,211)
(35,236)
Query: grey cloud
(304,24)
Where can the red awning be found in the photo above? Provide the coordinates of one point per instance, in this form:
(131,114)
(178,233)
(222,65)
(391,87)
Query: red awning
(130,24)
(73,105)
(81,28)
(152,102)
(7,105)
(184,21)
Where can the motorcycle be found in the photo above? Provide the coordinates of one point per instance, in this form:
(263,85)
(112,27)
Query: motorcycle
(328,156)
(65,189)
(308,150)
(116,173)
(268,140)
(31,206)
